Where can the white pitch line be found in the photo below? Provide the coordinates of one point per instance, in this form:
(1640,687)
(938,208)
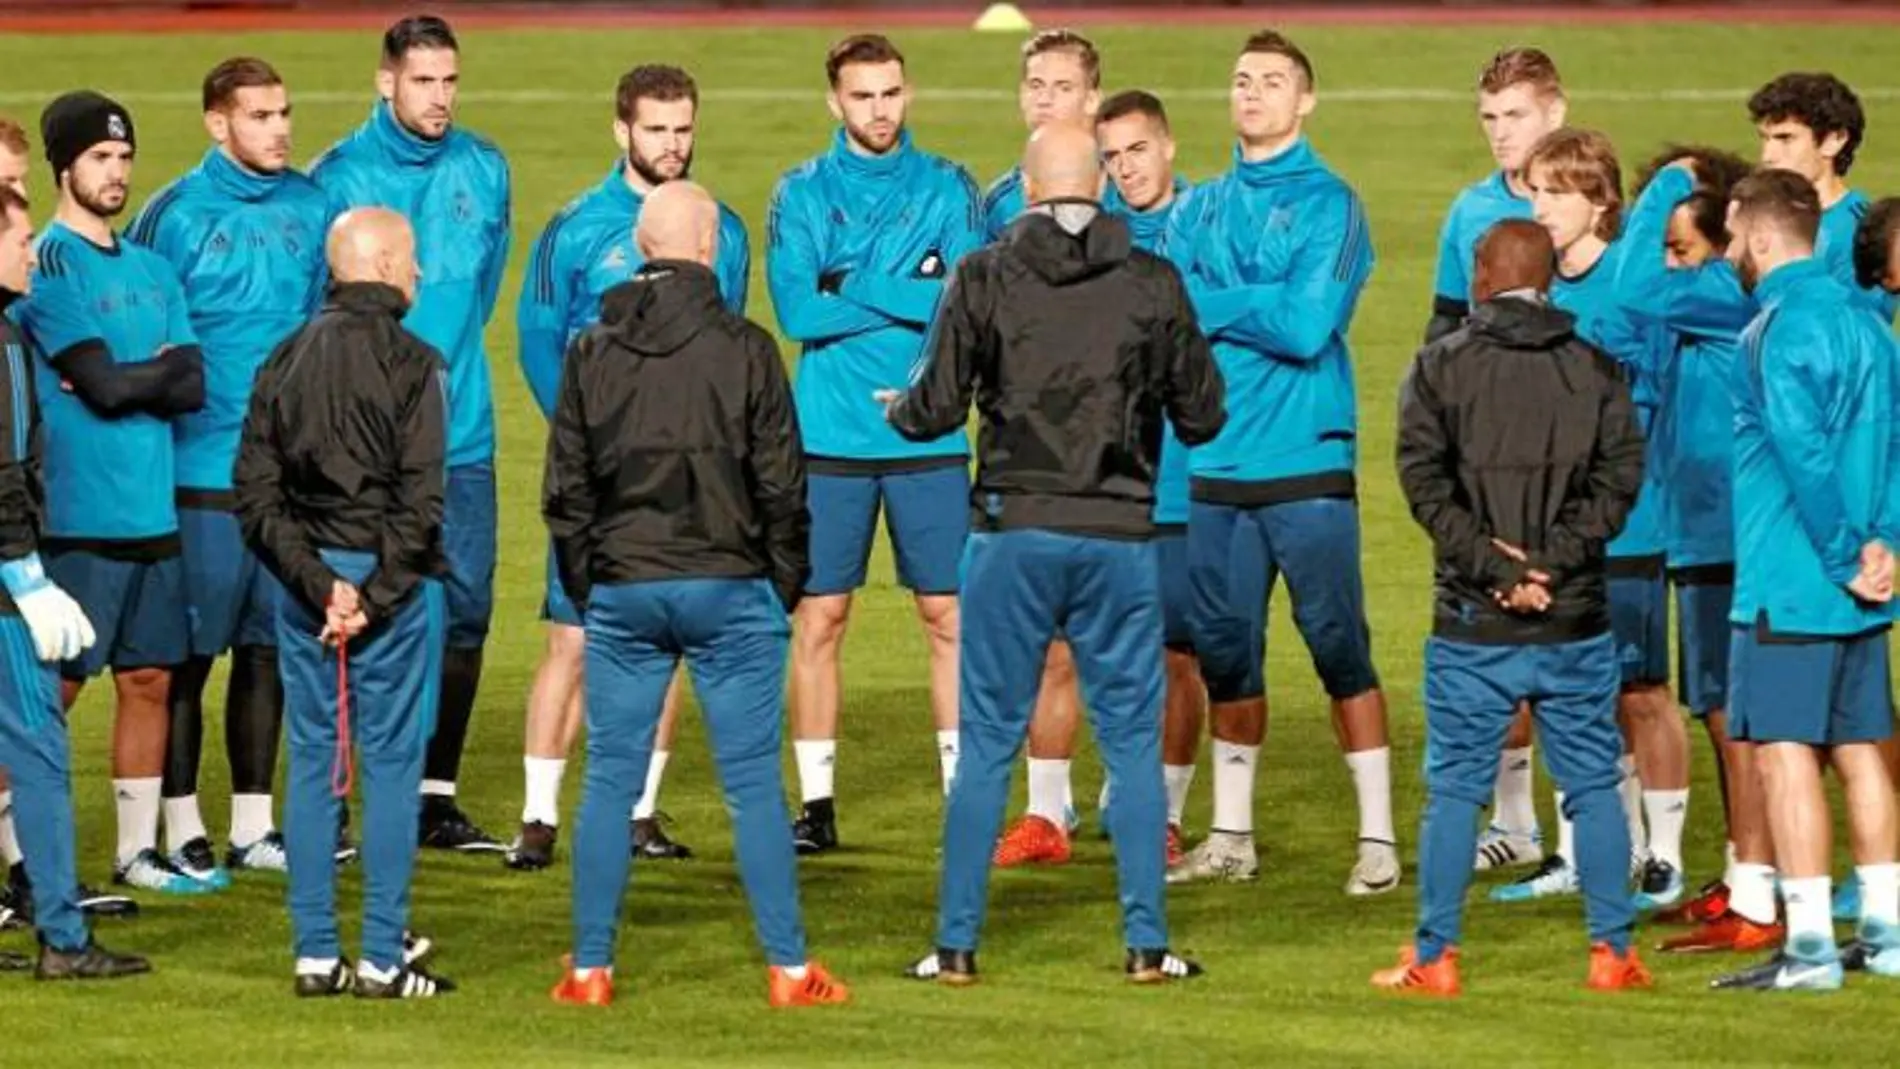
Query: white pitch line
(760,95)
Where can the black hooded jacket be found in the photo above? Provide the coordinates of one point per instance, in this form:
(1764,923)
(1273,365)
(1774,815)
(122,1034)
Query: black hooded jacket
(1512,428)
(1074,347)
(674,451)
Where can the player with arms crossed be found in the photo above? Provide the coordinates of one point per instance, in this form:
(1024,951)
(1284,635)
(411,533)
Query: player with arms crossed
(861,241)
(586,250)
(1138,154)
(1817,514)
(453,187)
(244,231)
(1275,254)
(119,361)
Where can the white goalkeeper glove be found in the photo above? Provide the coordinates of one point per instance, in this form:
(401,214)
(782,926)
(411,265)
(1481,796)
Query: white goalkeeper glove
(60,629)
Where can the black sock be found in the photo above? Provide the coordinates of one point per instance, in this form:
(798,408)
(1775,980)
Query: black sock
(253,718)
(820,809)
(186,737)
(461,677)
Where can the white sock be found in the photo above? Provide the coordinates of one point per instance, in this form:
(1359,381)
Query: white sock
(370,972)
(250,818)
(1667,811)
(542,798)
(1372,780)
(1751,892)
(1880,894)
(1101,798)
(9,843)
(817,758)
(315,966)
(1233,786)
(796,972)
(138,804)
(441,788)
(1566,833)
(183,822)
(649,802)
(588,974)
(949,748)
(1810,910)
(1178,779)
(1728,865)
(1514,810)
(1048,789)
(1630,790)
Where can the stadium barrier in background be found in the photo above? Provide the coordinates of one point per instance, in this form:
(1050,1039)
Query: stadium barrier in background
(1266,9)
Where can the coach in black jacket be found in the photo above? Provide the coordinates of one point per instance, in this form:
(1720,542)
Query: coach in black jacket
(1520,454)
(675,493)
(1074,346)
(339,484)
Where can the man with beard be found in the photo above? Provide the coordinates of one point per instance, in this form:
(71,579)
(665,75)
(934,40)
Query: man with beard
(118,362)
(862,239)
(1817,512)
(245,234)
(586,250)
(453,186)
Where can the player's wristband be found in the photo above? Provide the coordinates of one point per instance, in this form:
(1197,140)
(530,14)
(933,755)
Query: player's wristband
(24,576)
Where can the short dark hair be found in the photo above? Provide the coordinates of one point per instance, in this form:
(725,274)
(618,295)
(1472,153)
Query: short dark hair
(1063,40)
(652,81)
(1873,242)
(1821,102)
(1521,66)
(11,201)
(416,31)
(1133,102)
(1716,172)
(241,72)
(1514,254)
(1782,199)
(1275,43)
(13,136)
(860,48)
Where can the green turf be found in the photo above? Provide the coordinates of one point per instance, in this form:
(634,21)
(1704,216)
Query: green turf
(1288,957)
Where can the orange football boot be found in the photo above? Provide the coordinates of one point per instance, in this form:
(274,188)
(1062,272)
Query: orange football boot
(815,988)
(1032,840)
(1612,972)
(597,989)
(1439,979)
(1729,932)
(1710,903)
(1177,851)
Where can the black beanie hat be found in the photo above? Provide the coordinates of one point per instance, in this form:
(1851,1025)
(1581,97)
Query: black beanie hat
(79,120)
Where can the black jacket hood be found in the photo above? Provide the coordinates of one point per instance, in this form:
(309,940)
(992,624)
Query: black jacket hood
(1062,258)
(1522,323)
(663,307)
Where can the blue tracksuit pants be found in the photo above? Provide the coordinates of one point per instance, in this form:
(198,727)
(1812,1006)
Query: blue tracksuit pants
(394,669)
(734,636)
(1018,589)
(34,749)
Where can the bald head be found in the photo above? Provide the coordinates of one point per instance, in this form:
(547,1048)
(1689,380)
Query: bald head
(373,245)
(679,221)
(1516,254)
(1062,160)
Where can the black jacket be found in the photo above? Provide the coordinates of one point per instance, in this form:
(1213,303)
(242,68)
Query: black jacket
(674,451)
(343,449)
(22,493)
(1513,428)
(1075,347)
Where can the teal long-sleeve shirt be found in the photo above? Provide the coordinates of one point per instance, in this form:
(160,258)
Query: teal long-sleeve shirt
(858,250)
(1817,454)
(456,193)
(586,250)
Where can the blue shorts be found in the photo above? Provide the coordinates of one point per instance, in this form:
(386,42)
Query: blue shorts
(1703,599)
(926,513)
(137,610)
(556,606)
(1177,593)
(1236,553)
(1639,619)
(229,594)
(1818,691)
(468,538)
